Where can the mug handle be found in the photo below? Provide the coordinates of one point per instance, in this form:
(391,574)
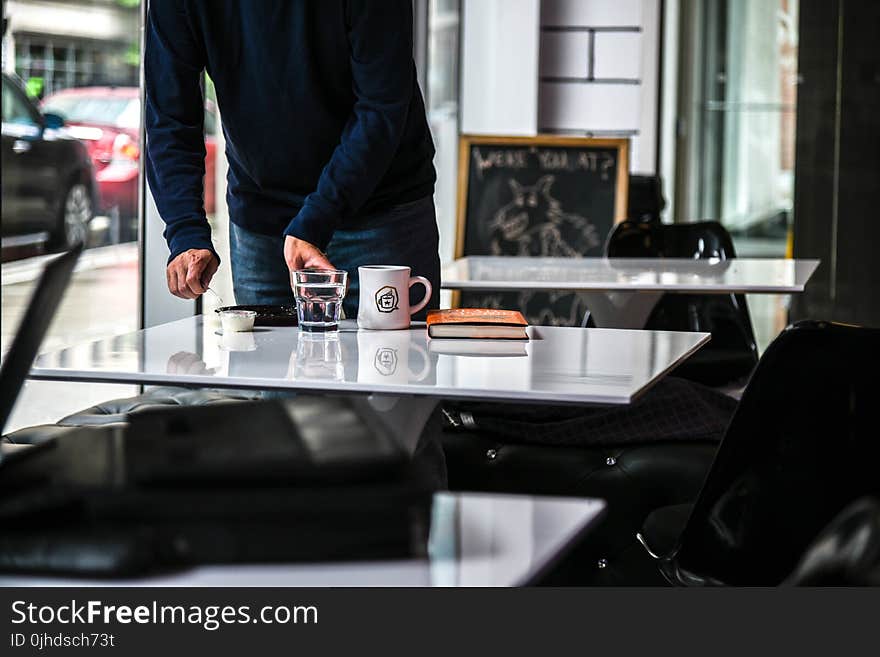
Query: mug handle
(428,289)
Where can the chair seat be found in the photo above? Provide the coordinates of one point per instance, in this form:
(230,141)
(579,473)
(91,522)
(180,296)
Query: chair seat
(117,410)
(633,480)
(35,435)
(847,552)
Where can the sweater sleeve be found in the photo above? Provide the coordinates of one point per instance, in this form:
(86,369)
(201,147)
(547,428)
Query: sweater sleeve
(174,120)
(381,42)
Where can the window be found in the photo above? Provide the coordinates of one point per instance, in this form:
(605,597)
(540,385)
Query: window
(52,62)
(80,188)
(120,112)
(15,107)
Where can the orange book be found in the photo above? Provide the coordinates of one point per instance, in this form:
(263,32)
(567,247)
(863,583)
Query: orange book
(477,323)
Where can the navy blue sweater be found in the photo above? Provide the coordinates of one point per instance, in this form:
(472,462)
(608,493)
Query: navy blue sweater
(321,110)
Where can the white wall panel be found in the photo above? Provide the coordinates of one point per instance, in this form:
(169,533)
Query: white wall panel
(618,55)
(615,89)
(585,107)
(645,159)
(565,54)
(596,13)
(499,86)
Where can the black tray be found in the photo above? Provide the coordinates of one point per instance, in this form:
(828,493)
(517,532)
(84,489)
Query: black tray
(269,315)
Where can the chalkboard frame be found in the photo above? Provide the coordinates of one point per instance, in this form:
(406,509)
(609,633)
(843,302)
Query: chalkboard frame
(465,142)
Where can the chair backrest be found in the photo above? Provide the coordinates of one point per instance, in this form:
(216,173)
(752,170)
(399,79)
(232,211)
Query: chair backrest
(703,239)
(802,444)
(645,200)
(733,351)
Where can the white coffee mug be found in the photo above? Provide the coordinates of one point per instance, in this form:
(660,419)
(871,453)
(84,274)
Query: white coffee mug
(384,296)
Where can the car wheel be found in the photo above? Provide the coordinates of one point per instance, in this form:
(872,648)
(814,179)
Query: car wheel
(76,213)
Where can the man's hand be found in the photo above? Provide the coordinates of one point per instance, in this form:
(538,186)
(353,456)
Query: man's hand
(300,254)
(190,273)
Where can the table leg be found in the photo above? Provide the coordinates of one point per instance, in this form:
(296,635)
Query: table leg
(625,310)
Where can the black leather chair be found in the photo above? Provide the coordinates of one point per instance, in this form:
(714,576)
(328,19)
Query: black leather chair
(645,200)
(733,352)
(428,459)
(118,410)
(802,445)
(847,552)
(633,479)
(637,458)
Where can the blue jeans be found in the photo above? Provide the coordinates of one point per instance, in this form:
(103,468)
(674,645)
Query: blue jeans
(403,235)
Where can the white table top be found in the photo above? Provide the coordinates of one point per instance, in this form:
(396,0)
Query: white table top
(475,540)
(739,275)
(558,365)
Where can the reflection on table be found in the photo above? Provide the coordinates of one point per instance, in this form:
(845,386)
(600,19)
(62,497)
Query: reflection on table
(564,365)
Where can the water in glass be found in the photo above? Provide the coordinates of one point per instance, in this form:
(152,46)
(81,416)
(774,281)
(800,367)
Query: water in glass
(319,294)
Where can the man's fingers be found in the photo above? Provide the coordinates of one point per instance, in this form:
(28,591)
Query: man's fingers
(208,271)
(194,285)
(194,279)
(317,260)
(183,290)
(175,280)
(299,254)
(298,261)
(323,262)
(171,279)
(190,273)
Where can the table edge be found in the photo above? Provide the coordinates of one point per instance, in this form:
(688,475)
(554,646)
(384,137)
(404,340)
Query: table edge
(182,380)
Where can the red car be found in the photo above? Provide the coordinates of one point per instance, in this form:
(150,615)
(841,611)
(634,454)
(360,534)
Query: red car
(107,120)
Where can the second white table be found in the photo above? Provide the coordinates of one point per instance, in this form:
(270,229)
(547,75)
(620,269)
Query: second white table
(623,291)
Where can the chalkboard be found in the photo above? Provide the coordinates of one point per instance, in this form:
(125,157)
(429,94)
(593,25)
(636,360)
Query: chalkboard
(539,196)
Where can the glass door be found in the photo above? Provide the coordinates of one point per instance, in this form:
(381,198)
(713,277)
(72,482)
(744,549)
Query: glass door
(739,109)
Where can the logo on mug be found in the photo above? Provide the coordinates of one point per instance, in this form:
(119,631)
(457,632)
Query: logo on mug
(385,361)
(387,299)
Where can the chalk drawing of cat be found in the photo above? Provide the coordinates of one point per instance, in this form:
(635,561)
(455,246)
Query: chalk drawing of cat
(533,224)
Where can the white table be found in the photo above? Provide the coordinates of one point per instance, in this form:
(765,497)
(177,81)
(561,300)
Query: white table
(557,365)
(623,291)
(401,375)
(475,540)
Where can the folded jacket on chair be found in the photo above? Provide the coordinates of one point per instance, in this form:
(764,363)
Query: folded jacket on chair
(673,410)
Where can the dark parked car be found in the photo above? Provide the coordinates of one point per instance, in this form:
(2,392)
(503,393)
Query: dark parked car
(49,189)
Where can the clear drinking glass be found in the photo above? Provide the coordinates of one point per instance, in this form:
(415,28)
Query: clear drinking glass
(319,294)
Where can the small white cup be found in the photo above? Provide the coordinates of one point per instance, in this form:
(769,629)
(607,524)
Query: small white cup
(236,321)
(384,296)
